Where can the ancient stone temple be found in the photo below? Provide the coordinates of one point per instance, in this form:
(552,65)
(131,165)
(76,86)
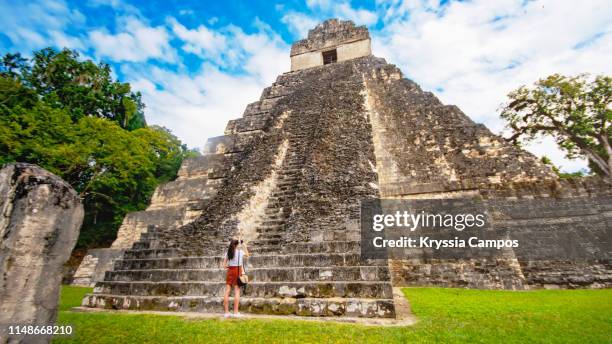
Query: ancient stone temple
(288,176)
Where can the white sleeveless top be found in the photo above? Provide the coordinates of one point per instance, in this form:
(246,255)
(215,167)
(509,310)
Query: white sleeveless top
(237,260)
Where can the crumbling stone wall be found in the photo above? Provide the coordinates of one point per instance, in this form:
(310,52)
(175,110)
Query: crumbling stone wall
(39,224)
(329,34)
(347,40)
(563,230)
(431,147)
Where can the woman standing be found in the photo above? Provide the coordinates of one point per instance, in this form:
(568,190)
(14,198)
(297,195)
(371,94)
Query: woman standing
(234,265)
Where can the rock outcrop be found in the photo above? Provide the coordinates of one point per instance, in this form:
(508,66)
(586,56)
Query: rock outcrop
(39,224)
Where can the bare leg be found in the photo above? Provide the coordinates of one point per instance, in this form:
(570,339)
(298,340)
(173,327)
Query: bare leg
(236,298)
(228,289)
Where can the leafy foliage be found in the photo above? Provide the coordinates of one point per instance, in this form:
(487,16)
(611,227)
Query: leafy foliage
(563,175)
(82,88)
(575,111)
(70,118)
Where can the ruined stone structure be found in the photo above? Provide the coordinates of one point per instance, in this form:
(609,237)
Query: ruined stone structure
(40,218)
(289,176)
(173,204)
(339,41)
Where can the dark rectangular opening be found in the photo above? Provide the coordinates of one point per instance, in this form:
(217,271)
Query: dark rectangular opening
(330,57)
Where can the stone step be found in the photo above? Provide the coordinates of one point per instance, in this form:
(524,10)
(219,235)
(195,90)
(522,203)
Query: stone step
(141,245)
(291,187)
(276,216)
(285,260)
(301,289)
(288,177)
(151,253)
(278,274)
(274,229)
(272,236)
(277,232)
(210,165)
(276,210)
(279,201)
(263,242)
(271,227)
(353,307)
(276,248)
(259,245)
(294,172)
(280,192)
(325,247)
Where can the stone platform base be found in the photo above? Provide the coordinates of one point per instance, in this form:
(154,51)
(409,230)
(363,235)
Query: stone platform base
(311,307)
(402,316)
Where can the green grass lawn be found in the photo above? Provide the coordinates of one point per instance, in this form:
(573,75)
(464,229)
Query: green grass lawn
(445,315)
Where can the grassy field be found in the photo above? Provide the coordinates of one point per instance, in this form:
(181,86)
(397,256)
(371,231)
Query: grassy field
(445,316)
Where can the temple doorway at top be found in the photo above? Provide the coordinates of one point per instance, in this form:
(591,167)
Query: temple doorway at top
(330,56)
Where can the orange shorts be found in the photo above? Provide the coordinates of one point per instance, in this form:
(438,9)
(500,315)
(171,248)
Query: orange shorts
(232,275)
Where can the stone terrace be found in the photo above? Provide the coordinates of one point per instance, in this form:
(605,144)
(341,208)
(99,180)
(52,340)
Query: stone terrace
(288,177)
(302,208)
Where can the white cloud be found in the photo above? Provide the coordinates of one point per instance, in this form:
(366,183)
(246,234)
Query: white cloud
(299,23)
(198,106)
(31,25)
(473,54)
(118,5)
(231,47)
(136,42)
(63,40)
(359,16)
(201,41)
(195,107)
(323,4)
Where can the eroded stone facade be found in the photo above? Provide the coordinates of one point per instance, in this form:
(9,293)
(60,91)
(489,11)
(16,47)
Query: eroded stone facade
(295,168)
(343,38)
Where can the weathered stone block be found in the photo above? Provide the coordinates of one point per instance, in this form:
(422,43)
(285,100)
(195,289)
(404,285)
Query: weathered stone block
(39,224)
(94,266)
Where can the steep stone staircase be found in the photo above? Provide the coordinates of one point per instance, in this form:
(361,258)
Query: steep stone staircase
(323,276)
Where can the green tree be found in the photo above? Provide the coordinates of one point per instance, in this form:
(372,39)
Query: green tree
(575,111)
(83,88)
(54,114)
(564,175)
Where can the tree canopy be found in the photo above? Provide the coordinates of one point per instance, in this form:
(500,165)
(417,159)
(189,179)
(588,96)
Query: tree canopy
(575,111)
(71,118)
(83,88)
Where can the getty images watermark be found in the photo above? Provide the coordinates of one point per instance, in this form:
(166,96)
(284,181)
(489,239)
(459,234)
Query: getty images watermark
(479,228)
(410,222)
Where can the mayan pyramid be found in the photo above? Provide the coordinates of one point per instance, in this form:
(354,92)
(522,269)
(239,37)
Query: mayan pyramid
(342,126)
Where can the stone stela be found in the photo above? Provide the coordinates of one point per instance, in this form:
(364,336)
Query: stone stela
(289,176)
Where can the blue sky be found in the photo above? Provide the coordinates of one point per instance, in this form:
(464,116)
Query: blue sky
(199,63)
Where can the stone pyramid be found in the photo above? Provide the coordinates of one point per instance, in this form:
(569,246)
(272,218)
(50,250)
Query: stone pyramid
(342,126)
